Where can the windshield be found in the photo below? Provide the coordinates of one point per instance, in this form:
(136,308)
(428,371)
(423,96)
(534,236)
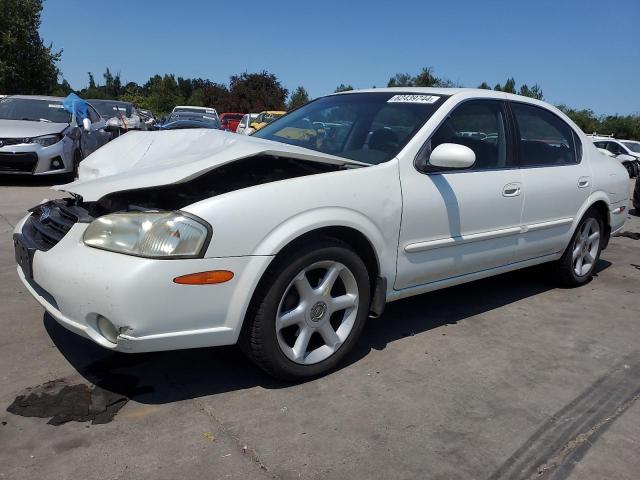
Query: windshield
(109,110)
(367,127)
(34,110)
(633,146)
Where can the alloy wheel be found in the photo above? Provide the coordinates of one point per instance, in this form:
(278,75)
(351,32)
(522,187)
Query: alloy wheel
(585,247)
(317,312)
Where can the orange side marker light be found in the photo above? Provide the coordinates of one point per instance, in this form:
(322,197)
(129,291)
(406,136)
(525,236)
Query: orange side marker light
(205,278)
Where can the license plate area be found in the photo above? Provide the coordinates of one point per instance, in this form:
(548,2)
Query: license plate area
(24,255)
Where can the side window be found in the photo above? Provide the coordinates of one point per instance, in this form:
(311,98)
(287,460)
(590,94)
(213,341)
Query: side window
(93,115)
(544,139)
(615,148)
(479,125)
(600,144)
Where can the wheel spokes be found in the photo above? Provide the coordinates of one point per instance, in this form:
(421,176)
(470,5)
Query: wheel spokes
(305,291)
(342,302)
(307,315)
(291,317)
(329,279)
(302,342)
(329,335)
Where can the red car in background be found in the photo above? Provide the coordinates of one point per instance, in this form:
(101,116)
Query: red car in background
(230,121)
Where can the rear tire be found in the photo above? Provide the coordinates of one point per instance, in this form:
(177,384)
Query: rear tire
(576,266)
(308,311)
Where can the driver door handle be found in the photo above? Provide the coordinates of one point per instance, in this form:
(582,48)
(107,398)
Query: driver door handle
(512,189)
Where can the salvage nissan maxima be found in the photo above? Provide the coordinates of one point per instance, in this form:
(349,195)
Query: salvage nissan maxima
(286,241)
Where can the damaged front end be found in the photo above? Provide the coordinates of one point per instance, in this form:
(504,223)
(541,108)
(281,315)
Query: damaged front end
(50,221)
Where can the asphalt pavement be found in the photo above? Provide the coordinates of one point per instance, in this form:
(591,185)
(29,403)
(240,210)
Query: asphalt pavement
(504,378)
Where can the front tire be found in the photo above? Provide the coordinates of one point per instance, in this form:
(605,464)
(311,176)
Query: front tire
(576,266)
(308,311)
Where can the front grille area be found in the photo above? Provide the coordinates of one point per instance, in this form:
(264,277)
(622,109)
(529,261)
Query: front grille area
(50,222)
(4,142)
(18,162)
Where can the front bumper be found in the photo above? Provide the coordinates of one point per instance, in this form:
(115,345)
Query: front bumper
(33,159)
(76,284)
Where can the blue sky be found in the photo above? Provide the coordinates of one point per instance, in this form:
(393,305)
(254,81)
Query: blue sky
(585,54)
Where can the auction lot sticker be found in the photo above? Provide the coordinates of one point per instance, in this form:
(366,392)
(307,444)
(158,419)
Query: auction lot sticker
(413,99)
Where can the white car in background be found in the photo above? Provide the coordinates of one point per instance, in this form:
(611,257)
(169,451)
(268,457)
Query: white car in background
(204,111)
(625,151)
(244,127)
(287,240)
(39,137)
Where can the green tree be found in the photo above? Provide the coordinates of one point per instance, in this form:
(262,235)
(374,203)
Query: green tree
(298,98)
(163,93)
(343,88)
(26,65)
(217,96)
(251,92)
(533,92)
(484,86)
(401,80)
(62,89)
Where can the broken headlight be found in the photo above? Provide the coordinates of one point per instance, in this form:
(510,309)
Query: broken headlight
(151,235)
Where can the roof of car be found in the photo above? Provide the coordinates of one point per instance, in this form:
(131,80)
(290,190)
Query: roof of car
(37,97)
(480,92)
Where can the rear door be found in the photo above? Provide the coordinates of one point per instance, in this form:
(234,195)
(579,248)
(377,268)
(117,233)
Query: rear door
(556,182)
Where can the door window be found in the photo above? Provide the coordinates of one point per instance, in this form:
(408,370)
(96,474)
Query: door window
(479,125)
(544,139)
(93,115)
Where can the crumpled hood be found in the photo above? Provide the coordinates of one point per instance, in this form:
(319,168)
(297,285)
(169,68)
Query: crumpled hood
(28,129)
(147,159)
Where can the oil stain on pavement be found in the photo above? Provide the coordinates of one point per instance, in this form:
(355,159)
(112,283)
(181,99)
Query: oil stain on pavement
(62,402)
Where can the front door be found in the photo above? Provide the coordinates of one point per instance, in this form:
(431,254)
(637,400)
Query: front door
(458,222)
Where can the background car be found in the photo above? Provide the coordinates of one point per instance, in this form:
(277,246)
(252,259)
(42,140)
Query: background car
(147,117)
(244,127)
(209,111)
(263,119)
(38,136)
(120,116)
(230,121)
(182,120)
(621,150)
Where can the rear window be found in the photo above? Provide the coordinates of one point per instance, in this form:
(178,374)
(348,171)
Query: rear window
(545,140)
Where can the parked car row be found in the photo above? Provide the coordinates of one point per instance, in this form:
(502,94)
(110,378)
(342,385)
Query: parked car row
(27,124)
(626,152)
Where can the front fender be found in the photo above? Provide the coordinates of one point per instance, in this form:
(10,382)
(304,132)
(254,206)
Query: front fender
(308,221)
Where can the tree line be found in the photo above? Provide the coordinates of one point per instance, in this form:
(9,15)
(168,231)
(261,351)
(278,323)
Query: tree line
(28,66)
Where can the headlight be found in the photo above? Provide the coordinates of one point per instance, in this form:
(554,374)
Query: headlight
(154,235)
(47,140)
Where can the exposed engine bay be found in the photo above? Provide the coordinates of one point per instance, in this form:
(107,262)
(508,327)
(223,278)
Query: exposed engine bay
(243,173)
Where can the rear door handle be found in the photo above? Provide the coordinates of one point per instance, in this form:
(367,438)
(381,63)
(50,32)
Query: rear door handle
(583,182)
(511,189)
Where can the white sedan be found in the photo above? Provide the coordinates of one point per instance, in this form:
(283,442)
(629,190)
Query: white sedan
(287,240)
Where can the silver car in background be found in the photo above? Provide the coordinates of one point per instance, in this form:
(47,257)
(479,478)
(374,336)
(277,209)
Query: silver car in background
(120,116)
(39,137)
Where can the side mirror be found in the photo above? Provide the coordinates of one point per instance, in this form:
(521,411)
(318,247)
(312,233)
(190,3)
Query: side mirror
(452,155)
(86,124)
